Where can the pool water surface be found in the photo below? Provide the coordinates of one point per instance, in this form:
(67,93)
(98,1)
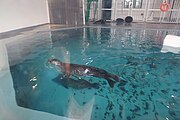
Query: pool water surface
(150,89)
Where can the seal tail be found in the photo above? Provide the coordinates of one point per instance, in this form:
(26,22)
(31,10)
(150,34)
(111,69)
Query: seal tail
(111,83)
(115,77)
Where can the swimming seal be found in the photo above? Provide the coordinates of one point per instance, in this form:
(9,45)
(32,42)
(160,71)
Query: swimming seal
(83,70)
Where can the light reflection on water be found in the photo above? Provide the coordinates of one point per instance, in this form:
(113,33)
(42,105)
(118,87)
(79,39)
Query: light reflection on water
(152,89)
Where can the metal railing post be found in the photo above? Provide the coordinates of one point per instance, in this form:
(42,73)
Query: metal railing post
(146,10)
(178,17)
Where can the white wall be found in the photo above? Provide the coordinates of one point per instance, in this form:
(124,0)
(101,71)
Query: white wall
(15,14)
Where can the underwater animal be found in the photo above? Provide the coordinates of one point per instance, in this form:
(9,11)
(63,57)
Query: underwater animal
(83,70)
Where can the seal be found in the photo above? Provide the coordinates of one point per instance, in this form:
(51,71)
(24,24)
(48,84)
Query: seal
(76,70)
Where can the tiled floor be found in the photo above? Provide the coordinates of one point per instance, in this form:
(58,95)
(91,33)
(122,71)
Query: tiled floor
(141,25)
(59,26)
(44,27)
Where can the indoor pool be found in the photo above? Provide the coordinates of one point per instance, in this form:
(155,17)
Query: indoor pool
(149,87)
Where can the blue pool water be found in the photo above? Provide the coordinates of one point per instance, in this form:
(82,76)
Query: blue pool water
(151,90)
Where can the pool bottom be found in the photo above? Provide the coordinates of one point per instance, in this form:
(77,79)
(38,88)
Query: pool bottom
(138,99)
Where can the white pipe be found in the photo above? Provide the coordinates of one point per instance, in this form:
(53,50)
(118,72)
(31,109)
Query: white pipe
(47,6)
(164,13)
(99,9)
(115,10)
(146,10)
(83,13)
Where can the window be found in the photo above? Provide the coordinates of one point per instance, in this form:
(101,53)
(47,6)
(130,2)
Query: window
(133,3)
(106,14)
(106,3)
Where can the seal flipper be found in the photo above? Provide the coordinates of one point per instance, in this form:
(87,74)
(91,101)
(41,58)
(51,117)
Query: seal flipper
(111,83)
(122,83)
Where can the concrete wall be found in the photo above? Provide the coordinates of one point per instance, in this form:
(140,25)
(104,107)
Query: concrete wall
(16,14)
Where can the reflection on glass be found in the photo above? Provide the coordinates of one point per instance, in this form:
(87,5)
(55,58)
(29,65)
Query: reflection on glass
(34,86)
(33,79)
